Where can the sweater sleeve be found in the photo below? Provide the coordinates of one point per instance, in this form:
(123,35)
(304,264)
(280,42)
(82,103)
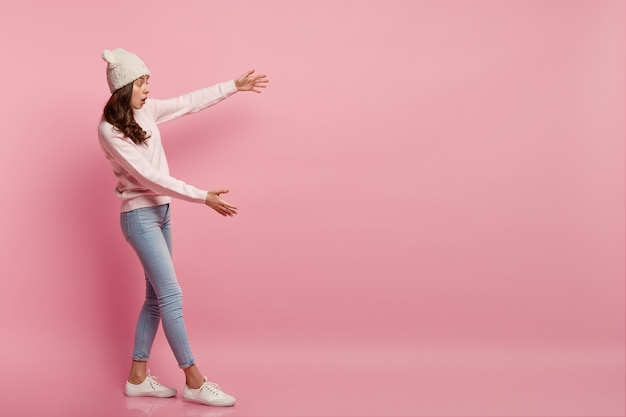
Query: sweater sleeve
(173,108)
(125,153)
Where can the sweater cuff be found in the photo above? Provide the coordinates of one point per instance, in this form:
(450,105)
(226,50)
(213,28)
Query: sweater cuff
(200,196)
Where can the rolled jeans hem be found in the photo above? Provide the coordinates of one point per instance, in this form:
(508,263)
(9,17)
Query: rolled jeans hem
(192,363)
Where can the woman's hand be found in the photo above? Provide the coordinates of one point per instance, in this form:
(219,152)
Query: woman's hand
(214,201)
(249,82)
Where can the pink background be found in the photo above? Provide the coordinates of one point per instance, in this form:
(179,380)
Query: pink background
(431,202)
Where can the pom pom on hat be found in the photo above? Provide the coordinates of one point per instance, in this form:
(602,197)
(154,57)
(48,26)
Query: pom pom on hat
(123,67)
(109,57)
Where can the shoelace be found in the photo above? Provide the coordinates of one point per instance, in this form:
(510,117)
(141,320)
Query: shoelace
(153,380)
(212,386)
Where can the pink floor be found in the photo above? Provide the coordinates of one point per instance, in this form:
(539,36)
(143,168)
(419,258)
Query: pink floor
(343,380)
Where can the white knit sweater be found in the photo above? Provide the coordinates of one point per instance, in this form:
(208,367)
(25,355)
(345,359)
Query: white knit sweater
(142,171)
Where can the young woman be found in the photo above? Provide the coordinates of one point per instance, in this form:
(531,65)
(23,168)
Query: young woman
(130,139)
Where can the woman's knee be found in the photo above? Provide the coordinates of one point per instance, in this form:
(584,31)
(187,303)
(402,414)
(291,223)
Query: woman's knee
(172,298)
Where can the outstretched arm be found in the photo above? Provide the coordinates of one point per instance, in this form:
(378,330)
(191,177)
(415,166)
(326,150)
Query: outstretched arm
(173,108)
(249,82)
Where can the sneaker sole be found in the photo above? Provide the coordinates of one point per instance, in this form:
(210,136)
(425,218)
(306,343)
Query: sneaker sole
(154,395)
(213,404)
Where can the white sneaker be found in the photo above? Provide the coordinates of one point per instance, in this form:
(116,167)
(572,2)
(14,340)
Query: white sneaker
(150,387)
(209,394)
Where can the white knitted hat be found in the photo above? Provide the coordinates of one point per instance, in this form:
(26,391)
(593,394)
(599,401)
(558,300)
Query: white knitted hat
(123,68)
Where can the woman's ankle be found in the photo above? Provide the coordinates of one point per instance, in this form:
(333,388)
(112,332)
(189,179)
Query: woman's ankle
(136,380)
(138,372)
(193,377)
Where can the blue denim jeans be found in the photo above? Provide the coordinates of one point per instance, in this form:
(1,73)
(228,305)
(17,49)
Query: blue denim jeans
(148,232)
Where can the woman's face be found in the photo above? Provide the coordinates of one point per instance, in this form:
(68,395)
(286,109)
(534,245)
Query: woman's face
(140,92)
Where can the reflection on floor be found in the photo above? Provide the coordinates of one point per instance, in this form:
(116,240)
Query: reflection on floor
(333,380)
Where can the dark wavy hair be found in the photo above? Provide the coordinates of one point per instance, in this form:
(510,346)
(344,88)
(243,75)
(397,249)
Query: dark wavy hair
(119,113)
